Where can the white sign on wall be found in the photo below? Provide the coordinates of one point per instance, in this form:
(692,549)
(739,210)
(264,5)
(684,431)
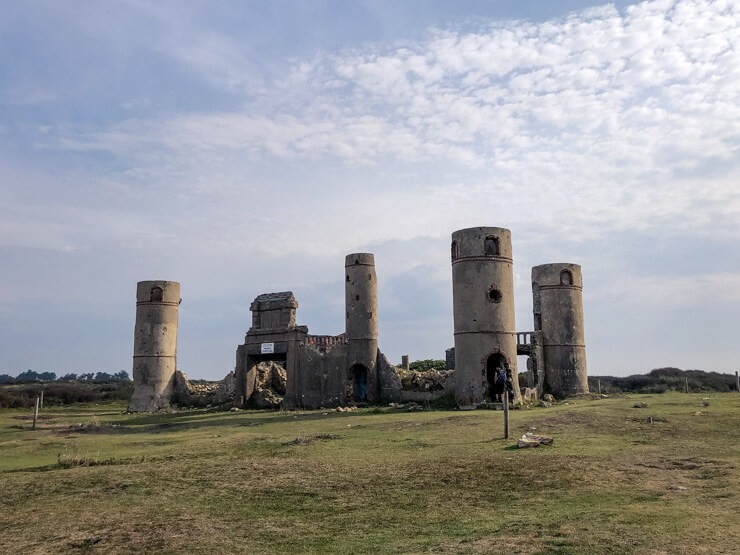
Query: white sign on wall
(267,348)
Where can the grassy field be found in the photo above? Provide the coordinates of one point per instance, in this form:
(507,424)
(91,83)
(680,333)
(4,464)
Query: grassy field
(618,479)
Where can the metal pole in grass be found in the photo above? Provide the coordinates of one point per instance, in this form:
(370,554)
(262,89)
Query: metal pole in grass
(687,385)
(737,381)
(41,403)
(506,415)
(35,413)
(599,388)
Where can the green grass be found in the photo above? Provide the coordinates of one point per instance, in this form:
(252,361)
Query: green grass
(656,480)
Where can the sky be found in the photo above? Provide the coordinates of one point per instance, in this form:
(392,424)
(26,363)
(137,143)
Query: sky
(247,147)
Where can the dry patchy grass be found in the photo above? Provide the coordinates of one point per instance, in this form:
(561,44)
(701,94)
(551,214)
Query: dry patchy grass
(614,481)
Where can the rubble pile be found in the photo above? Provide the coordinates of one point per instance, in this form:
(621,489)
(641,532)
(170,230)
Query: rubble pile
(271,381)
(427,381)
(530,439)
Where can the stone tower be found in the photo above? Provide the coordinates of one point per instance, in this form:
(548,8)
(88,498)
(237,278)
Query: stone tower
(557,291)
(483,305)
(361,302)
(155,345)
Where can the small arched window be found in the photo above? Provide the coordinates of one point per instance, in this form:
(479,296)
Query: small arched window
(155,295)
(453,250)
(566,277)
(491,246)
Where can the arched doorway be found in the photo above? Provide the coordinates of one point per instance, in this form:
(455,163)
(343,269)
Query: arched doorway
(493,363)
(359,382)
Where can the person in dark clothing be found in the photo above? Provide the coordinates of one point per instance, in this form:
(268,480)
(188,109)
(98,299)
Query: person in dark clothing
(499,385)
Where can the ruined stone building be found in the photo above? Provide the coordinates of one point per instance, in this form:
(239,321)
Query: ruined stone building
(485,330)
(348,368)
(321,370)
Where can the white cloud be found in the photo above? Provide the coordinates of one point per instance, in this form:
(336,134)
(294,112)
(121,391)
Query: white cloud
(591,126)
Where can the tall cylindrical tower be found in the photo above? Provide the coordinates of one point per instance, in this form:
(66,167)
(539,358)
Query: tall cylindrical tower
(557,291)
(483,304)
(361,301)
(155,345)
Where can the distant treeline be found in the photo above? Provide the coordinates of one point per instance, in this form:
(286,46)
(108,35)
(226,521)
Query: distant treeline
(64,393)
(664,379)
(29,376)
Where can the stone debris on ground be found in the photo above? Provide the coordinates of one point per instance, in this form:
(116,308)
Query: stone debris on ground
(410,406)
(271,381)
(530,395)
(640,406)
(531,439)
(427,381)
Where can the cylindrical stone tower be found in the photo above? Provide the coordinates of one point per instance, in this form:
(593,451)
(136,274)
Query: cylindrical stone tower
(155,345)
(483,304)
(361,302)
(557,291)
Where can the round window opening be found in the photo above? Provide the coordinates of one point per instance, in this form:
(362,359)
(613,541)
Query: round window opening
(494,295)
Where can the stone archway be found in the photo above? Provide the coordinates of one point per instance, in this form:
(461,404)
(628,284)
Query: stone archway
(493,363)
(359,374)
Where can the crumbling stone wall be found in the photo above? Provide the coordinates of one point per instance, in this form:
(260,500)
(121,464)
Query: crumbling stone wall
(389,380)
(203,394)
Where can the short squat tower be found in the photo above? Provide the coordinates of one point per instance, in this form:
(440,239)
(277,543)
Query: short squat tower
(155,345)
(483,305)
(361,327)
(557,291)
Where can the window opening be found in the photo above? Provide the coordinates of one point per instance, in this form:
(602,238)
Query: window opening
(492,247)
(494,294)
(566,277)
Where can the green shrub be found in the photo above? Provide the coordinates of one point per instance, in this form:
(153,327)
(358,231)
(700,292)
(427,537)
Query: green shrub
(427,364)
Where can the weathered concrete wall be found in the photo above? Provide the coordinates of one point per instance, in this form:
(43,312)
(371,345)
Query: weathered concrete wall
(557,291)
(322,378)
(155,345)
(483,307)
(361,302)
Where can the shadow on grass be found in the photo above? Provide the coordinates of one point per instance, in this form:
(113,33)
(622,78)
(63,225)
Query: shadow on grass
(193,420)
